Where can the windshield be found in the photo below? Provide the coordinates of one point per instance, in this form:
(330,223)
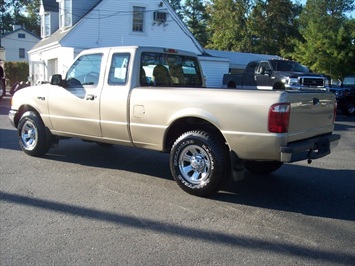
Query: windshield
(349,81)
(284,65)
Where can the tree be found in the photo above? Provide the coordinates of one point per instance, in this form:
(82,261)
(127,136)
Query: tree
(272,24)
(195,17)
(228,25)
(20,12)
(328,37)
(176,5)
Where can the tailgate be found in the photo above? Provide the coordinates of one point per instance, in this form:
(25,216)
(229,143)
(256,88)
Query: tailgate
(312,114)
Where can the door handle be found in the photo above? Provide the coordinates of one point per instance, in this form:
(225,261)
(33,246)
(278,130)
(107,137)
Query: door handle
(90,97)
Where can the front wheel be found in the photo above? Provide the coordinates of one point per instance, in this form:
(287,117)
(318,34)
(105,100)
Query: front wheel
(262,167)
(199,163)
(32,135)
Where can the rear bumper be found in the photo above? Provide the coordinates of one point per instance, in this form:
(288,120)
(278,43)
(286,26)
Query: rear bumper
(310,149)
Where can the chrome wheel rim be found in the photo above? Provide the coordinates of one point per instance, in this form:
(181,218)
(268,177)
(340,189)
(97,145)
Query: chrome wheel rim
(29,135)
(195,164)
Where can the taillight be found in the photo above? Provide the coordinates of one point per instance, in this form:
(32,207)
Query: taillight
(279,117)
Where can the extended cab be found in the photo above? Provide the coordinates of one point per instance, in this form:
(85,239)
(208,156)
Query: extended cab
(155,98)
(275,74)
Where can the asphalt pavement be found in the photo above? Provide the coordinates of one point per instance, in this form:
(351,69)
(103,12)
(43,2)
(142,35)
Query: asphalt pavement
(84,204)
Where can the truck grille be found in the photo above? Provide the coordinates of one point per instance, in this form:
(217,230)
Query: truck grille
(312,82)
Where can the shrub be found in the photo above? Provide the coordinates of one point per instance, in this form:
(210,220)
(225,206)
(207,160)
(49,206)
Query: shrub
(16,71)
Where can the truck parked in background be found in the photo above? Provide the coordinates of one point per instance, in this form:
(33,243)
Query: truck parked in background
(276,74)
(345,95)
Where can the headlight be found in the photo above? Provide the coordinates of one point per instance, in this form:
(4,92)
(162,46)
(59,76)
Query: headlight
(338,93)
(326,82)
(292,81)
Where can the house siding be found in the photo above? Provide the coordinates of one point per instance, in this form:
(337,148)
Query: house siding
(42,70)
(81,7)
(110,24)
(12,44)
(214,68)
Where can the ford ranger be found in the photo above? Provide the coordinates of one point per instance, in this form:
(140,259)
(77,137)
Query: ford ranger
(275,74)
(155,98)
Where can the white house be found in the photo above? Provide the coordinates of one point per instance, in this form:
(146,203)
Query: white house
(70,26)
(16,44)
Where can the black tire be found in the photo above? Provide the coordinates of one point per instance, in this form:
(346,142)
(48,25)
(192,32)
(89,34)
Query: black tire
(231,84)
(199,163)
(279,86)
(32,135)
(262,167)
(2,90)
(349,108)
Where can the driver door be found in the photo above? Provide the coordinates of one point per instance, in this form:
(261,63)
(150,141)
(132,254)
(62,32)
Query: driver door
(74,109)
(262,76)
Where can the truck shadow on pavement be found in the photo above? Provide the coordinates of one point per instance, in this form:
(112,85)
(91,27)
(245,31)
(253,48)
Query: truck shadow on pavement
(155,226)
(298,188)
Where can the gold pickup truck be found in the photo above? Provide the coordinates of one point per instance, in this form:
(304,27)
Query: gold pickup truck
(155,98)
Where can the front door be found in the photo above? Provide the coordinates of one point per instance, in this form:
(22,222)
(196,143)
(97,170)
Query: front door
(262,76)
(75,108)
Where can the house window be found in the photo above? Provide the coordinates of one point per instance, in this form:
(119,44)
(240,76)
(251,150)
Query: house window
(21,53)
(138,19)
(21,36)
(46,25)
(65,13)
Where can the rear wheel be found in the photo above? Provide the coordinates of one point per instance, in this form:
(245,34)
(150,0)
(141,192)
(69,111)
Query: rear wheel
(199,163)
(32,135)
(350,108)
(262,167)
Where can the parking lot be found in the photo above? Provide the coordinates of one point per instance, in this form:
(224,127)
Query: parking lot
(84,204)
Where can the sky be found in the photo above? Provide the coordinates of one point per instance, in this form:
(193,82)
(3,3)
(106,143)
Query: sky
(303,2)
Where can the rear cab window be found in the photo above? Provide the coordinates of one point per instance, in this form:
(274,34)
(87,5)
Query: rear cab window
(169,70)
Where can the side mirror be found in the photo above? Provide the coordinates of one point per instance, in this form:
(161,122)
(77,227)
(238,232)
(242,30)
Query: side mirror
(57,80)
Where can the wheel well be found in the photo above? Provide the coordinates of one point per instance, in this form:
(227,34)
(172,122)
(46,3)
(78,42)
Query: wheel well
(231,84)
(22,110)
(187,124)
(279,86)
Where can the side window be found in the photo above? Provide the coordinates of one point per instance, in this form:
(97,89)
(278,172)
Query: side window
(251,68)
(264,66)
(118,69)
(85,71)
